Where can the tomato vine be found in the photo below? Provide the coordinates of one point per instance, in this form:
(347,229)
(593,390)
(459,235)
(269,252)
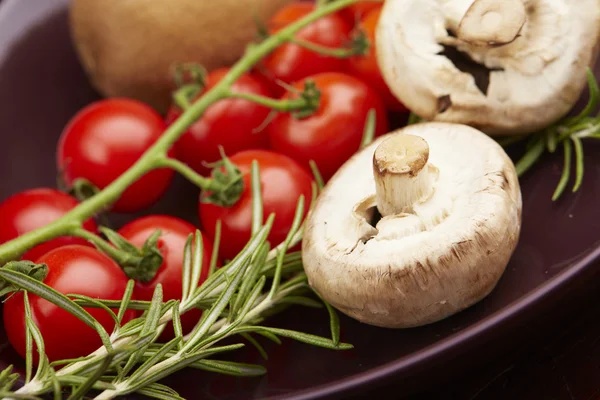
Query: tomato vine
(235,297)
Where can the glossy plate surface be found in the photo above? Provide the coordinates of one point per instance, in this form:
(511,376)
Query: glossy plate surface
(42,86)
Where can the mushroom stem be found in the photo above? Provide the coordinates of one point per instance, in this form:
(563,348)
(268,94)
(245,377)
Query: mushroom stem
(492,22)
(401,173)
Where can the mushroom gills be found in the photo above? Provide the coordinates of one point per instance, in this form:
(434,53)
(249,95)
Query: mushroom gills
(463,62)
(504,67)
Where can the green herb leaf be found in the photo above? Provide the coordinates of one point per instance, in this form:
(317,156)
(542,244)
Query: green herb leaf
(155,394)
(257,205)
(163,388)
(301,279)
(156,357)
(249,281)
(73,380)
(177,329)
(98,304)
(92,379)
(28,341)
(161,392)
(186,279)
(270,336)
(56,386)
(36,271)
(196,263)
(414,119)
(334,321)
(43,363)
(257,345)
(209,318)
(579,163)
(564,179)
(232,368)
(216,350)
(149,328)
(281,252)
(223,274)
(299,336)
(251,299)
(509,141)
(125,302)
(369,130)
(19,396)
(317,175)
(301,301)
(593,98)
(551,140)
(47,293)
(166,369)
(216,244)
(8,378)
(531,156)
(70,360)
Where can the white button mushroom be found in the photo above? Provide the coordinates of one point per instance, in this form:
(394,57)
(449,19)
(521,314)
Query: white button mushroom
(415,227)
(502,66)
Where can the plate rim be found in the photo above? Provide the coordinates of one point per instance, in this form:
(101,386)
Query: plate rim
(437,350)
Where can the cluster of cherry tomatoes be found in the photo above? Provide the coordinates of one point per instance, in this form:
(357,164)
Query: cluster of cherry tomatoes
(107,137)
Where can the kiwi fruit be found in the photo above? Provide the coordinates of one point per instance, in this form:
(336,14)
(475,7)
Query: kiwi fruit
(129,48)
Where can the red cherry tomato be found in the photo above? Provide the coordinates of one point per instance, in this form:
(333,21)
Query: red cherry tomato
(291,62)
(174,233)
(232,123)
(71,269)
(32,209)
(334,132)
(366,67)
(357,11)
(283,182)
(107,137)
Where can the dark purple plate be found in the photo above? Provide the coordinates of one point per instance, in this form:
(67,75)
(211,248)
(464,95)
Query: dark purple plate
(42,86)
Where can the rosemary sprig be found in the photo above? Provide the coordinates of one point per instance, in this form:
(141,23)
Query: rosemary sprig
(568,133)
(236,298)
(133,362)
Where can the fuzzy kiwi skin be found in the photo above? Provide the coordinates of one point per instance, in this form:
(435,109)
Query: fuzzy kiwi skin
(129,47)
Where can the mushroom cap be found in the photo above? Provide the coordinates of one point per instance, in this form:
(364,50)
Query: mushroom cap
(420,266)
(532,80)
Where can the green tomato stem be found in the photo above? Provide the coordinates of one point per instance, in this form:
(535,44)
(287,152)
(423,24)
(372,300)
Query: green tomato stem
(153,156)
(183,96)
(191,175)
(324,50)
(121,257)
(277,105)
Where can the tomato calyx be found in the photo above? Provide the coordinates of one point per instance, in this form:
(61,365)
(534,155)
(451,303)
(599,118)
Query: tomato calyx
(82,189)
(360,43)
(226,184)
(185,95)
(142,263)
(36,271)
(189,73)
(305,102)
(262,30)
(190,78)
(312,96)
